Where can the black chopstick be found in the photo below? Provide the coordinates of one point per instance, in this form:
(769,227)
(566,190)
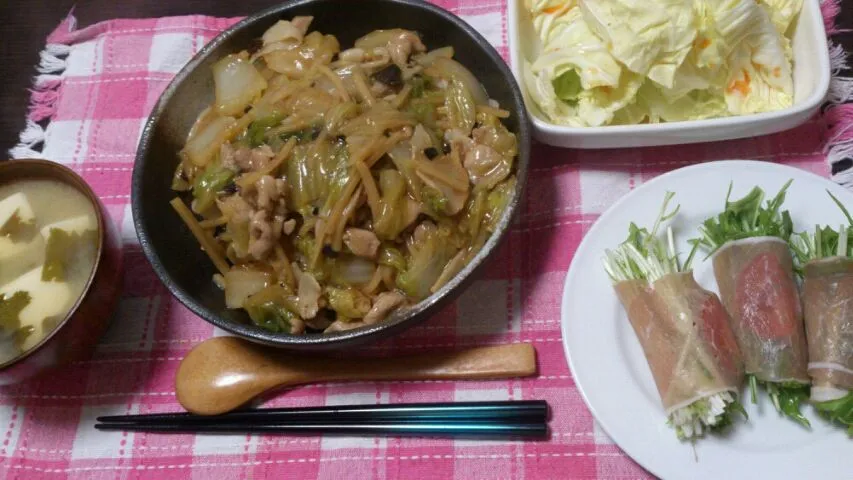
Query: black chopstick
(525,411)
(468,429)
(522,419)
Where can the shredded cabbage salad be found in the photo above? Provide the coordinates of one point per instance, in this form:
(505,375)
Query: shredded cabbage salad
(612,62)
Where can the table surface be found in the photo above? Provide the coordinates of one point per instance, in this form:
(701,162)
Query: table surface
(27,24)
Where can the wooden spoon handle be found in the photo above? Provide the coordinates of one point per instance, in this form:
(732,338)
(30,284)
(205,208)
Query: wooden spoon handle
(500,361)
(224,373)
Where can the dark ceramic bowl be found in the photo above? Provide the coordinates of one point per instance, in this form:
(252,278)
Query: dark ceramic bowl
(174,252)
(77,334)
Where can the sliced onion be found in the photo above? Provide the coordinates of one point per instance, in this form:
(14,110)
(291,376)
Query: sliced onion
(273,47)
(203,120)
(205,143)
(378,38)
(241,284)
(429,58)
(420,139)
(453,70)
(353,271)
(237,83)
(285,30)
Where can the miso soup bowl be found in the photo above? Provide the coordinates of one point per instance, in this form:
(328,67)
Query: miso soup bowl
(76,335)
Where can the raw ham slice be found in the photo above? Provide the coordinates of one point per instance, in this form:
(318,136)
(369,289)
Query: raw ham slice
(828,306)
(757,286)
(685,336)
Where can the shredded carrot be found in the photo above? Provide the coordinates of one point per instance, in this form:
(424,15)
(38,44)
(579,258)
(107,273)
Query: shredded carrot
(208,244)
(741,86)
(388,277)
(702,43)
(401,97)
(554,8)
(336,81)
(451,268)
(213,223)
(239,126)
(284,92)
(370,188)
(338,208)
(250,178)
(289,278)
(290,124)
(384,146)
(374,282)
(490,110)
(307,226)
(349,210)
(361,86)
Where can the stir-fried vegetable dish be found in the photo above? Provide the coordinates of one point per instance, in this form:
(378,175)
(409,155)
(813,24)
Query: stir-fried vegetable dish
(333,187)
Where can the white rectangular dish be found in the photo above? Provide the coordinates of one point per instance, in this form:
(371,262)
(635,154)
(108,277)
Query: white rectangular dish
(811,72)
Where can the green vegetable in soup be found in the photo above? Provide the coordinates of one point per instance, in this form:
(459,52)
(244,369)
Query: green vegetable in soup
(497,201)
(256,133)
(391,257)
(461,108)
(434,202)
(429,251)
(317,176)
(207,185)
(348,302)
(390,220)
(420,83)
(271,316)
(60,252)
(10,310)
(273,308)
(16,226)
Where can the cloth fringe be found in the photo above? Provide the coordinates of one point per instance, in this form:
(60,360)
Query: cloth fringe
(44,94)
(839,113)
(45,91)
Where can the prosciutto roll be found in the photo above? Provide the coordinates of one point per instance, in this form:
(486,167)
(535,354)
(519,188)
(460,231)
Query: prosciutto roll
(683,329)
(757,286)
(754,270)
(828,302)
(685,336)
(826,261)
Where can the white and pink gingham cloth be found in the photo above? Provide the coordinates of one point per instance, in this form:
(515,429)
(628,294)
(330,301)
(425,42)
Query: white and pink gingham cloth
(96,87)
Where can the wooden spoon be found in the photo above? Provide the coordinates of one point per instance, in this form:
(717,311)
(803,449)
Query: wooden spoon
(223,373)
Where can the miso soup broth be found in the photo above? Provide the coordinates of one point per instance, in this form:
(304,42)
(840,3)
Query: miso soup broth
(48,245)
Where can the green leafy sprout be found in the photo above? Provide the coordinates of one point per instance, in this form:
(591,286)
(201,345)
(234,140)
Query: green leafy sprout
(785,396)
(746,218)
(714,413)
(824,242)
(839,410)
(644,255)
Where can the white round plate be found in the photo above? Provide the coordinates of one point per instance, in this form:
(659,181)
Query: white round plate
(608,364)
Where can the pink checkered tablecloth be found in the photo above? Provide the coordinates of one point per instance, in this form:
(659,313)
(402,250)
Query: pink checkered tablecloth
(96,86)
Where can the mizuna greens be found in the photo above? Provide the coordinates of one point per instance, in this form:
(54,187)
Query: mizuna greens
(683,329)
(332,187)
(754,270)
(825,258)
